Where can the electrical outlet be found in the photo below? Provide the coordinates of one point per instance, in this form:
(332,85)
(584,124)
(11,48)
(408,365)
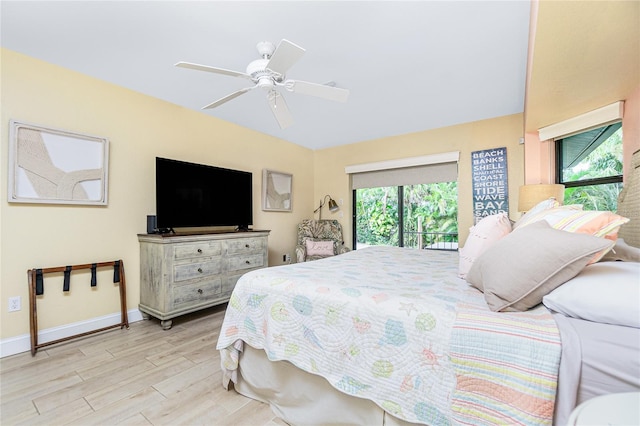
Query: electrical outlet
(14,304)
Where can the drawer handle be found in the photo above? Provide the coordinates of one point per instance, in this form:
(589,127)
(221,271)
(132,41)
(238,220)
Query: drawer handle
(200,270)
(247,245)
(200,251)
(247,262)
(200,290)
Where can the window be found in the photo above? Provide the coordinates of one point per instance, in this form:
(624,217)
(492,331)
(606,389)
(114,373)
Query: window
(589,164)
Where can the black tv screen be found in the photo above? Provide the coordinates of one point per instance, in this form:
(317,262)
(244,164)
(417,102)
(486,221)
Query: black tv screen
(197,195)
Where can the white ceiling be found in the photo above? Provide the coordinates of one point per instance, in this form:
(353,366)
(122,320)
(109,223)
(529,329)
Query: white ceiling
(410,66)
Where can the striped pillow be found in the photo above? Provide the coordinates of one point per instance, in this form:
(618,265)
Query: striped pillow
(536,210)
(593,222)
(598,223)
(540,210)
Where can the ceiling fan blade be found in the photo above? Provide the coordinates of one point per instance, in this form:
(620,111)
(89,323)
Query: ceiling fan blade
(228,98)
(280,109)
(285,55)
(212,69)
(318,90)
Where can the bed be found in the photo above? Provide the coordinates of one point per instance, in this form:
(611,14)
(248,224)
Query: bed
(396,336)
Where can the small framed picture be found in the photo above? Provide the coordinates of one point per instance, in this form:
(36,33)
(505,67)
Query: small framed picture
(56,166)
(276,191)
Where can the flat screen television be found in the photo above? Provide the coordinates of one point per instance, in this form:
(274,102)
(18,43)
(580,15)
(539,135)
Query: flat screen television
(198,195)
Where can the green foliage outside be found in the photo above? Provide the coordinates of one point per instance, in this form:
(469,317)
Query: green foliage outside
(437,204)
(377,216)
(606,160)
(377,212)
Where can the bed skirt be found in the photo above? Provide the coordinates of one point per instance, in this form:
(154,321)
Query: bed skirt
(301,398)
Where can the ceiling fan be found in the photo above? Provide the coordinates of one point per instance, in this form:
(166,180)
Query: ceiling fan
(268,73)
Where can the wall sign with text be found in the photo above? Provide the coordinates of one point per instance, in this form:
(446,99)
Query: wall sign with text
(490,187)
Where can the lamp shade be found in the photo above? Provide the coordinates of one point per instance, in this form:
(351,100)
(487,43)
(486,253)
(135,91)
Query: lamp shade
(530,195)
(333,206)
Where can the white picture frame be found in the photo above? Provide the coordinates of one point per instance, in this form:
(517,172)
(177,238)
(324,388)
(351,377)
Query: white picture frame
(277,188)
(54,166)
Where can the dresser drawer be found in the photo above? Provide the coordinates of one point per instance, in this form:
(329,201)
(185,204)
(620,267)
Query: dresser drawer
(192,270)
(197,250)
(245,245)
(249,261)
(194,294)
(229,284)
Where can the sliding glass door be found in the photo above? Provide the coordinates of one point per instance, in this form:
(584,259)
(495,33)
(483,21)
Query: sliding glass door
(419,215)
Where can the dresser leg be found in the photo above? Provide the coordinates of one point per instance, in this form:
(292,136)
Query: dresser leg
(145,316)
(166,324)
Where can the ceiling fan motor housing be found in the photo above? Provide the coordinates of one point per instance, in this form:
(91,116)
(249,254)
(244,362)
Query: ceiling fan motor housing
(263,78)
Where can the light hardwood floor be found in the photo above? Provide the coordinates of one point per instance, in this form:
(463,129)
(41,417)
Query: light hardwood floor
(139,376)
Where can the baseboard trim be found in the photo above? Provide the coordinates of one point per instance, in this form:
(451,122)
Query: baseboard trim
(22,343)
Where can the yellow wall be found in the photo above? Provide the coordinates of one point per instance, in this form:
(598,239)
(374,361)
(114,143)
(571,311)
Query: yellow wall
(139,128)
(330,177)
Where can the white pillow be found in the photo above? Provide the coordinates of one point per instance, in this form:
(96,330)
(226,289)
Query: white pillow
(606,292)
(482,236)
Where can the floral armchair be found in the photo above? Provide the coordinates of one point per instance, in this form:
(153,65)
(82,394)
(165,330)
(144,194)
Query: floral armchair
(318,239)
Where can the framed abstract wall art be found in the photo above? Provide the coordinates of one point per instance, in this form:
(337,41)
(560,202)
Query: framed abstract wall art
(276,191)
(54,166)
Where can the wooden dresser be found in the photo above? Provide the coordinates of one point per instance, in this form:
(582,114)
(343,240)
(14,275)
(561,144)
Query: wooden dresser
(182,273)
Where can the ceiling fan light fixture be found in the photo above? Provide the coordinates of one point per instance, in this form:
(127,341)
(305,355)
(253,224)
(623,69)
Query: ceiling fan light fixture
(265,48)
